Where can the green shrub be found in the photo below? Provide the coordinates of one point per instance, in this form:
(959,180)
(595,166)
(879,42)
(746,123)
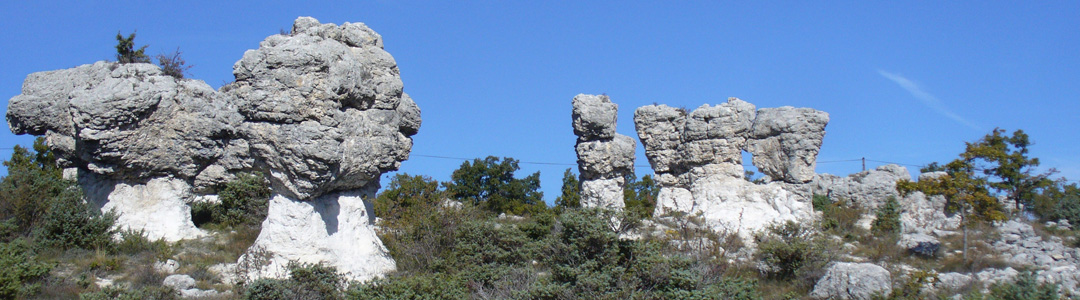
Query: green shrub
(1058,201)
(640,196)
(242,201)
(887,222)
(125,50)
(72,223)
(418,287)
(490,184)
(1023,287)
(306,281)
(32,179)
(135,242)
(838,217)
(792,251)
(120,293)
(20,270)
(172,64)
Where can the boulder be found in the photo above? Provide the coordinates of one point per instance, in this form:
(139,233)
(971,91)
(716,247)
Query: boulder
(179,281)
(605,158)
(853,281)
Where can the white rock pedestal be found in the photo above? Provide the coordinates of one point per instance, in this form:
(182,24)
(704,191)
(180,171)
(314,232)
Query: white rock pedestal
(336,229)
(160,208)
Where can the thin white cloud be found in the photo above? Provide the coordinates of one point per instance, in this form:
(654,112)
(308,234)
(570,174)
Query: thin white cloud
(926,98)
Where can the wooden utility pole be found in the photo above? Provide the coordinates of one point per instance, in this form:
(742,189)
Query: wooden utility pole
(864,164)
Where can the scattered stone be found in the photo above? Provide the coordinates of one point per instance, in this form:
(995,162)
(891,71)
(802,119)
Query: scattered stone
(179,282)
(852,281)
(166,267)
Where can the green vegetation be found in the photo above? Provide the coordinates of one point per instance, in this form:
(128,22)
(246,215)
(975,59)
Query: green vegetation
(306,281)
(793,252)
(21,271)
(1023,287)
(172,64)
(640,196)
(489,183)
(887,221)
(1005,158)
(242,201)
(571,191)
(125,50)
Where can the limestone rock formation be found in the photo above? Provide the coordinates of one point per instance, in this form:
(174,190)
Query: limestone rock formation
(321,111)
(697,157)
(852,281)
(868,189)
(785,142)
(605,158)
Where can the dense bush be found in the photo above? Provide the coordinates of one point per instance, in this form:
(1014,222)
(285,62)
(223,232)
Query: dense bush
(1060,201)
(242,201)
(72,223)
(121,293)
(1023,287)
(418,287)
(791,251)
(887,221)
(838,217)
(306,281)
(490,184)
(20,270)
(36,202)
(570,196)
(640,196)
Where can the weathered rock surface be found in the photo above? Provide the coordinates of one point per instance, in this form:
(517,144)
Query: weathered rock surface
(697,157)
(605,158)
(331,119)
(320,111)
(868,189)
(853,281)
(785,142)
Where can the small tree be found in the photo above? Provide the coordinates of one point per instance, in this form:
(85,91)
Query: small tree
(640,195)
(490,183)
(965,193)
(571,191)
(1006,159)
(407,193)
(125,50)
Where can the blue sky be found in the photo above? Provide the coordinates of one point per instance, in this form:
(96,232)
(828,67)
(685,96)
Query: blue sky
(903,82)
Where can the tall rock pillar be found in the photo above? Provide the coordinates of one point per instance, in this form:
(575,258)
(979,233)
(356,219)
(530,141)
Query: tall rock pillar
(605,158)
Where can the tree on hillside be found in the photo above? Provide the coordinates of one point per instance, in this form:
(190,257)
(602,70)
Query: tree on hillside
(571,191)
(490,183)
(1006,159)
(31,177)
(125,50)
(406,192)
(965,193)
(640,195)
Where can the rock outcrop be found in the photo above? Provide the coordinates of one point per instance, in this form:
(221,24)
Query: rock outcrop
(867,189)
(853,281)
(321,111)
(697,157)
(605,158)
